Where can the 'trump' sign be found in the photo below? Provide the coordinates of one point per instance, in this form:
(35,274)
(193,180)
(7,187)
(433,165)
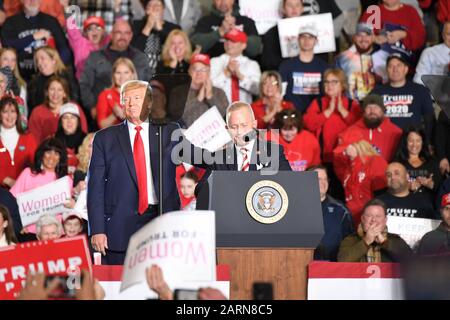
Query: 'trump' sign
(53,257)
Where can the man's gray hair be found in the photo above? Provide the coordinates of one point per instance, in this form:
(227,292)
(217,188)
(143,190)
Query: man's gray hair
(237,106)
(47,220)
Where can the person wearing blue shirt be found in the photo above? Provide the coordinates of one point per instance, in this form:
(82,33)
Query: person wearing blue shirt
(303,74)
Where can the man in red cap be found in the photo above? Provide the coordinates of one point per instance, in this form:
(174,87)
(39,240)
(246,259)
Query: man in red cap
(438,240)
(234,73)
(202,94)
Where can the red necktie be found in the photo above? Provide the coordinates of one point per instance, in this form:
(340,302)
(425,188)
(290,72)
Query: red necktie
(141,171)
(234,88)
(245,163)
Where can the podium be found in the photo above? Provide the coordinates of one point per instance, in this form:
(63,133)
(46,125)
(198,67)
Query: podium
(250,240)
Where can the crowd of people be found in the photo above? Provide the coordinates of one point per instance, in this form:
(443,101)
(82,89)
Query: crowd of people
(361,117)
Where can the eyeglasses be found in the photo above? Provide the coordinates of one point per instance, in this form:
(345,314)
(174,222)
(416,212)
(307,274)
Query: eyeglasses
(287,116)
(333,82)
(273,83)
(94,27)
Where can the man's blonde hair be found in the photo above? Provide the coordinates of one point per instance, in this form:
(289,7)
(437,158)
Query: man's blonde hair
(135,84)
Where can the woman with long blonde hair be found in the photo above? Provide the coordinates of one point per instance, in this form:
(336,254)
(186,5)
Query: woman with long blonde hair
(176,53)
(84,157)
(109,109)
(362,172)
(49,63)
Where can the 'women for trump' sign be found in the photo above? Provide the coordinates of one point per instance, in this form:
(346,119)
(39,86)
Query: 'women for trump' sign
(47,199)
(182,244)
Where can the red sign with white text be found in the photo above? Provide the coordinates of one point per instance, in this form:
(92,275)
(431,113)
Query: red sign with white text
(63,257)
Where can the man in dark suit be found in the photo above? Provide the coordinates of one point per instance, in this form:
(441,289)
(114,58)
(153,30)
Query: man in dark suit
(123,181)
(248,151)
(123,176)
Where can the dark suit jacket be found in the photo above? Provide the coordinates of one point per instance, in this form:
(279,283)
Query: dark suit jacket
(112,199)
(266,155)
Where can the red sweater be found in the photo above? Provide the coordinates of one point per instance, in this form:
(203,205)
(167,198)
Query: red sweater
(405,16)
(302,152)
(443,11)
(23,157)
(106,100)
(44,123)
(360,178)
(329,128)
(384,139)
(259,109)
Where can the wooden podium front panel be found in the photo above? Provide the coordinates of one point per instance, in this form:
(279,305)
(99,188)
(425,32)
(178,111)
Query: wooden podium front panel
(285,268)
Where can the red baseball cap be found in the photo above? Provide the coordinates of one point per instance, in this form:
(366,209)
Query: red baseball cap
(93,20)
(236,35)
(445,200)
(200,57)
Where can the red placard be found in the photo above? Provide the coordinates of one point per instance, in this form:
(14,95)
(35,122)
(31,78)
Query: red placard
(51,257)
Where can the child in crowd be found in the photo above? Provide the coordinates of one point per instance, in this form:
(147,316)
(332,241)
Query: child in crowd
(188,182)
(72,224)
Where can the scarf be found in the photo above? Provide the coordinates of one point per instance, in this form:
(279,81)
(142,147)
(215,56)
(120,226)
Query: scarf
(373,254)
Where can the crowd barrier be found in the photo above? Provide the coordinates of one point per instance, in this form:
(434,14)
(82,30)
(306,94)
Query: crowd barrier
(354,281)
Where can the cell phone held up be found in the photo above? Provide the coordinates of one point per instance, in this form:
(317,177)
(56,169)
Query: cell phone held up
(183,294)
(65,288)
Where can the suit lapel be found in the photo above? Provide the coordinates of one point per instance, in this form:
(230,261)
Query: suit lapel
(154,157)
(125,146)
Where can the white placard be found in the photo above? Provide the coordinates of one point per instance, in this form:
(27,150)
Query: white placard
(288,32)
(183,244)
(208,131)
(265,13)
(81,204)
(411,229)
(47,199)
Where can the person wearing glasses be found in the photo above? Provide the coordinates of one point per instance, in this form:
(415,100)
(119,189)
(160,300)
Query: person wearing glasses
(329,115)
(301,147)
(271,100)
(202,94)
(93,38)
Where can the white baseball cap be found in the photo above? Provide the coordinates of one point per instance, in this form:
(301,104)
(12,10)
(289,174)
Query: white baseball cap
(69,107)
(310,29)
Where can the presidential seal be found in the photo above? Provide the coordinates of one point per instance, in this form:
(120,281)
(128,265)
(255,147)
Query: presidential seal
(267,201)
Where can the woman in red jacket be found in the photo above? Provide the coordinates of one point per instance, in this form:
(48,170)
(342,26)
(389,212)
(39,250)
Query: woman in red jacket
(331,114)
(17,148)
(361,171)
(271,101)
(44,118)
(109,109)
(301,148)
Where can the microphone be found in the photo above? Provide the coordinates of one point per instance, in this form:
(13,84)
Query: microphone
(252,135)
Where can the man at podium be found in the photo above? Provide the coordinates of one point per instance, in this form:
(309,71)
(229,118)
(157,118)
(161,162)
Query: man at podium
(248,151)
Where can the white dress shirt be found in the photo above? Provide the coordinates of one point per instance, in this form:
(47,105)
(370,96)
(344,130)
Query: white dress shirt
(248,86)
(240,156)
(152,199)
(434,60)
